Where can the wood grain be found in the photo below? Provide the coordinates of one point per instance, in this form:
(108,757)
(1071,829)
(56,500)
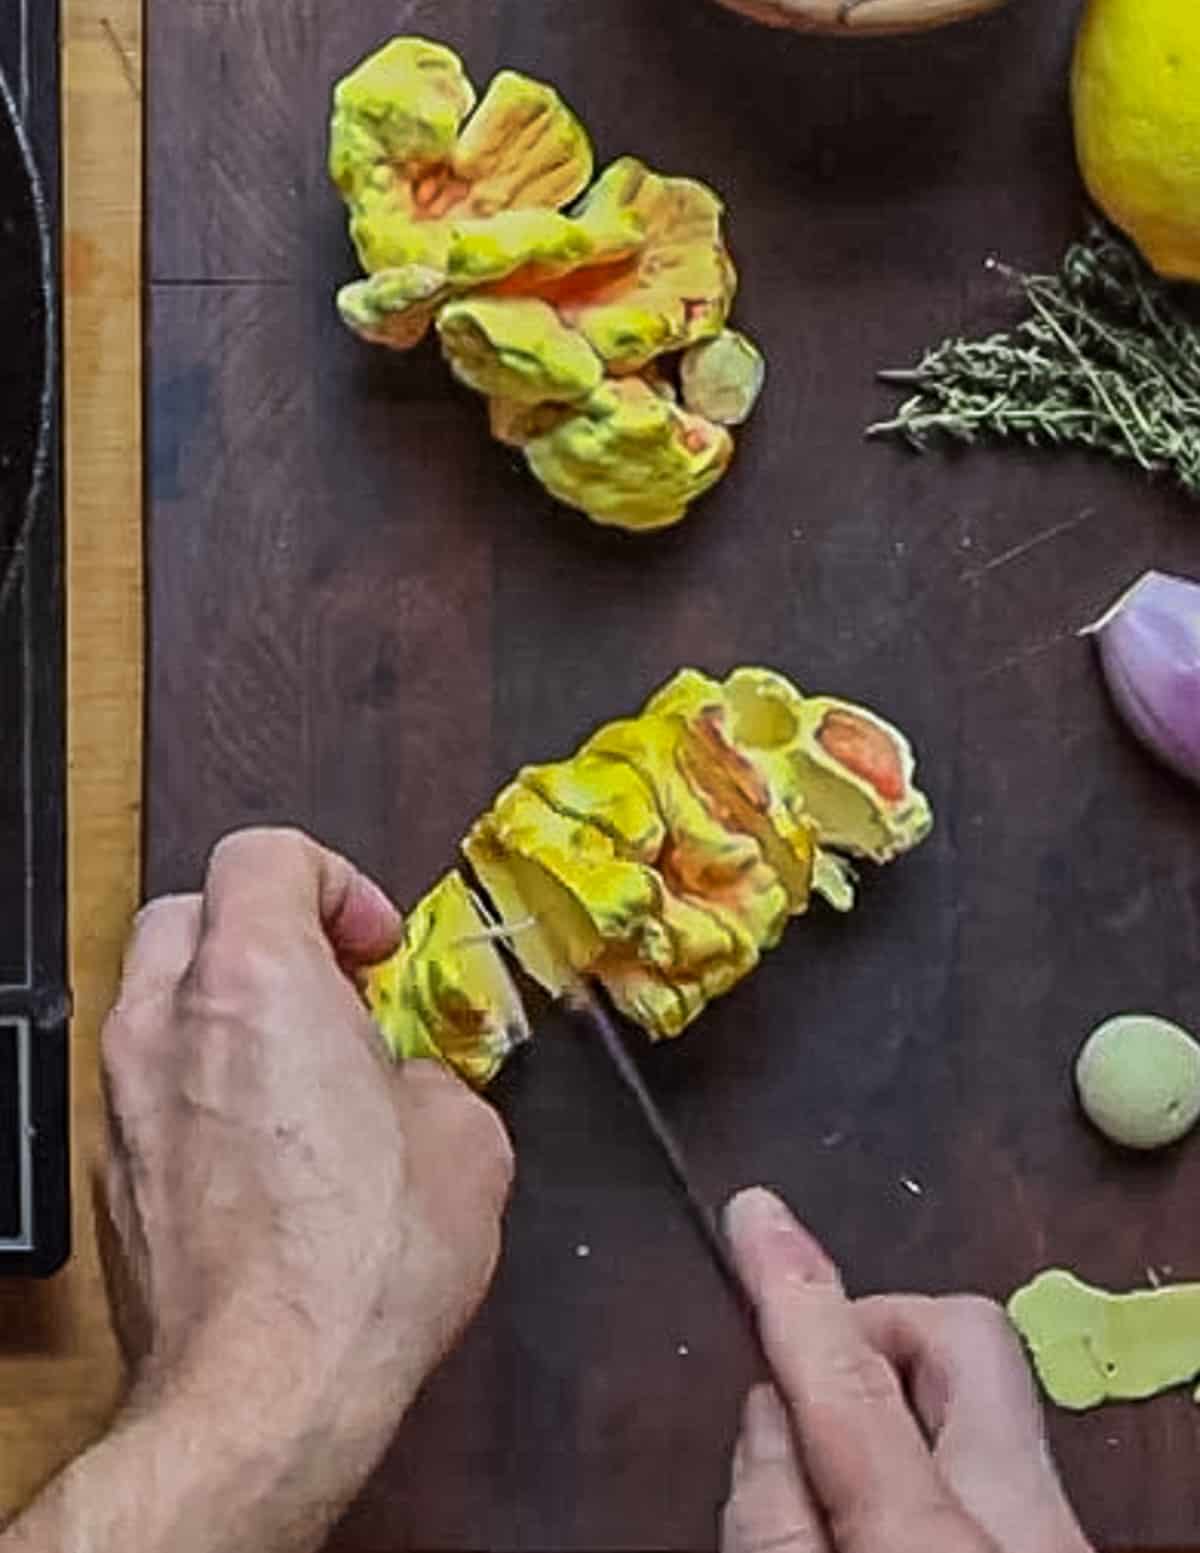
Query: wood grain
(58,1369)
(364,616)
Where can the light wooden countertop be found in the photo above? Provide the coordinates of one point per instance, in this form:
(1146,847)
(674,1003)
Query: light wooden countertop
(59,1373)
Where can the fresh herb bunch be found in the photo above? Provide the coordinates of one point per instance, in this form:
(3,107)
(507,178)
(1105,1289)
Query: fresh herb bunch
(1108,359)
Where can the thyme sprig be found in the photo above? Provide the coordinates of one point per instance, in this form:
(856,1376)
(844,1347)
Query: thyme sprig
(1107,359)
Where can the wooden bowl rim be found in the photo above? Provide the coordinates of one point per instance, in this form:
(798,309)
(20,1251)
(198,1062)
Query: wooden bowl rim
(815,15)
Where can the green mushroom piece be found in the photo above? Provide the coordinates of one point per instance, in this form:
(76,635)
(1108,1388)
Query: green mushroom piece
(1139,1081)
(1089,1346)
(722,378)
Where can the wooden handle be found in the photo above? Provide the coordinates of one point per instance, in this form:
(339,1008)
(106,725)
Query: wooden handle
(860,18)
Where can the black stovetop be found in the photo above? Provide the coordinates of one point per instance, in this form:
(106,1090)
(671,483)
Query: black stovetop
(33,1002)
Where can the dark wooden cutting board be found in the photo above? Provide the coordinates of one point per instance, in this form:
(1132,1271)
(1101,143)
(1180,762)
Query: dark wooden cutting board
(365,615)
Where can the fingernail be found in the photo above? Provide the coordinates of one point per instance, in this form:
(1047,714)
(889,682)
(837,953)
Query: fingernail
(768,1240)
(766,1428)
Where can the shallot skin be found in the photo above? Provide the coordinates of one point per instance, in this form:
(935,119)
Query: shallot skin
(1149,643)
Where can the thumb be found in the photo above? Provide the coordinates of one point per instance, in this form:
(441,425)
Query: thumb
(365,925)
(283,881)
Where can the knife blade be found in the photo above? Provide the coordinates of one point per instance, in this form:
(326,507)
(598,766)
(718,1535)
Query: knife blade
(581,999)
(585,1003)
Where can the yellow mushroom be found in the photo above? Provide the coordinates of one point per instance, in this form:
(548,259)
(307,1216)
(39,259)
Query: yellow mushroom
(458,215)
(717,898)
(523,147)
(517,351)
(679,286)
(525,245)
(629,458)
(670,850)
(855,771)
(828,767)
(572,880)
(393,308)
(516,424)
(672,288)
(400,108)
(596,903)
(445,995)
(716,754)
(705,854)
(661,860)
(414,177)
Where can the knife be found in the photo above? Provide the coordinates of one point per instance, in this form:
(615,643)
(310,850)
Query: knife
(583,1001)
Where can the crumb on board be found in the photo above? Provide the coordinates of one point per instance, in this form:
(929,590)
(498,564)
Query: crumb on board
(583,1250)
(914,1188)
(683,1350)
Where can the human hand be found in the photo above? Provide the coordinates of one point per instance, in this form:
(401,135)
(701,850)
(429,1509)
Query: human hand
(897,1423)
(293,1224)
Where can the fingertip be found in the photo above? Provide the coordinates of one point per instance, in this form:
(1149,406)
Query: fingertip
(768,1242)
(283,881)
(747,1210)
(367,925)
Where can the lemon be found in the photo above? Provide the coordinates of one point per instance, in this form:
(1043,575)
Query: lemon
(1136,92)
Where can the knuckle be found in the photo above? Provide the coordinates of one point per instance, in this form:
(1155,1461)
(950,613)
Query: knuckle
(920,1305)
(859,1376)
(161,908)
(231,974)
(238,845)
(160,941)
